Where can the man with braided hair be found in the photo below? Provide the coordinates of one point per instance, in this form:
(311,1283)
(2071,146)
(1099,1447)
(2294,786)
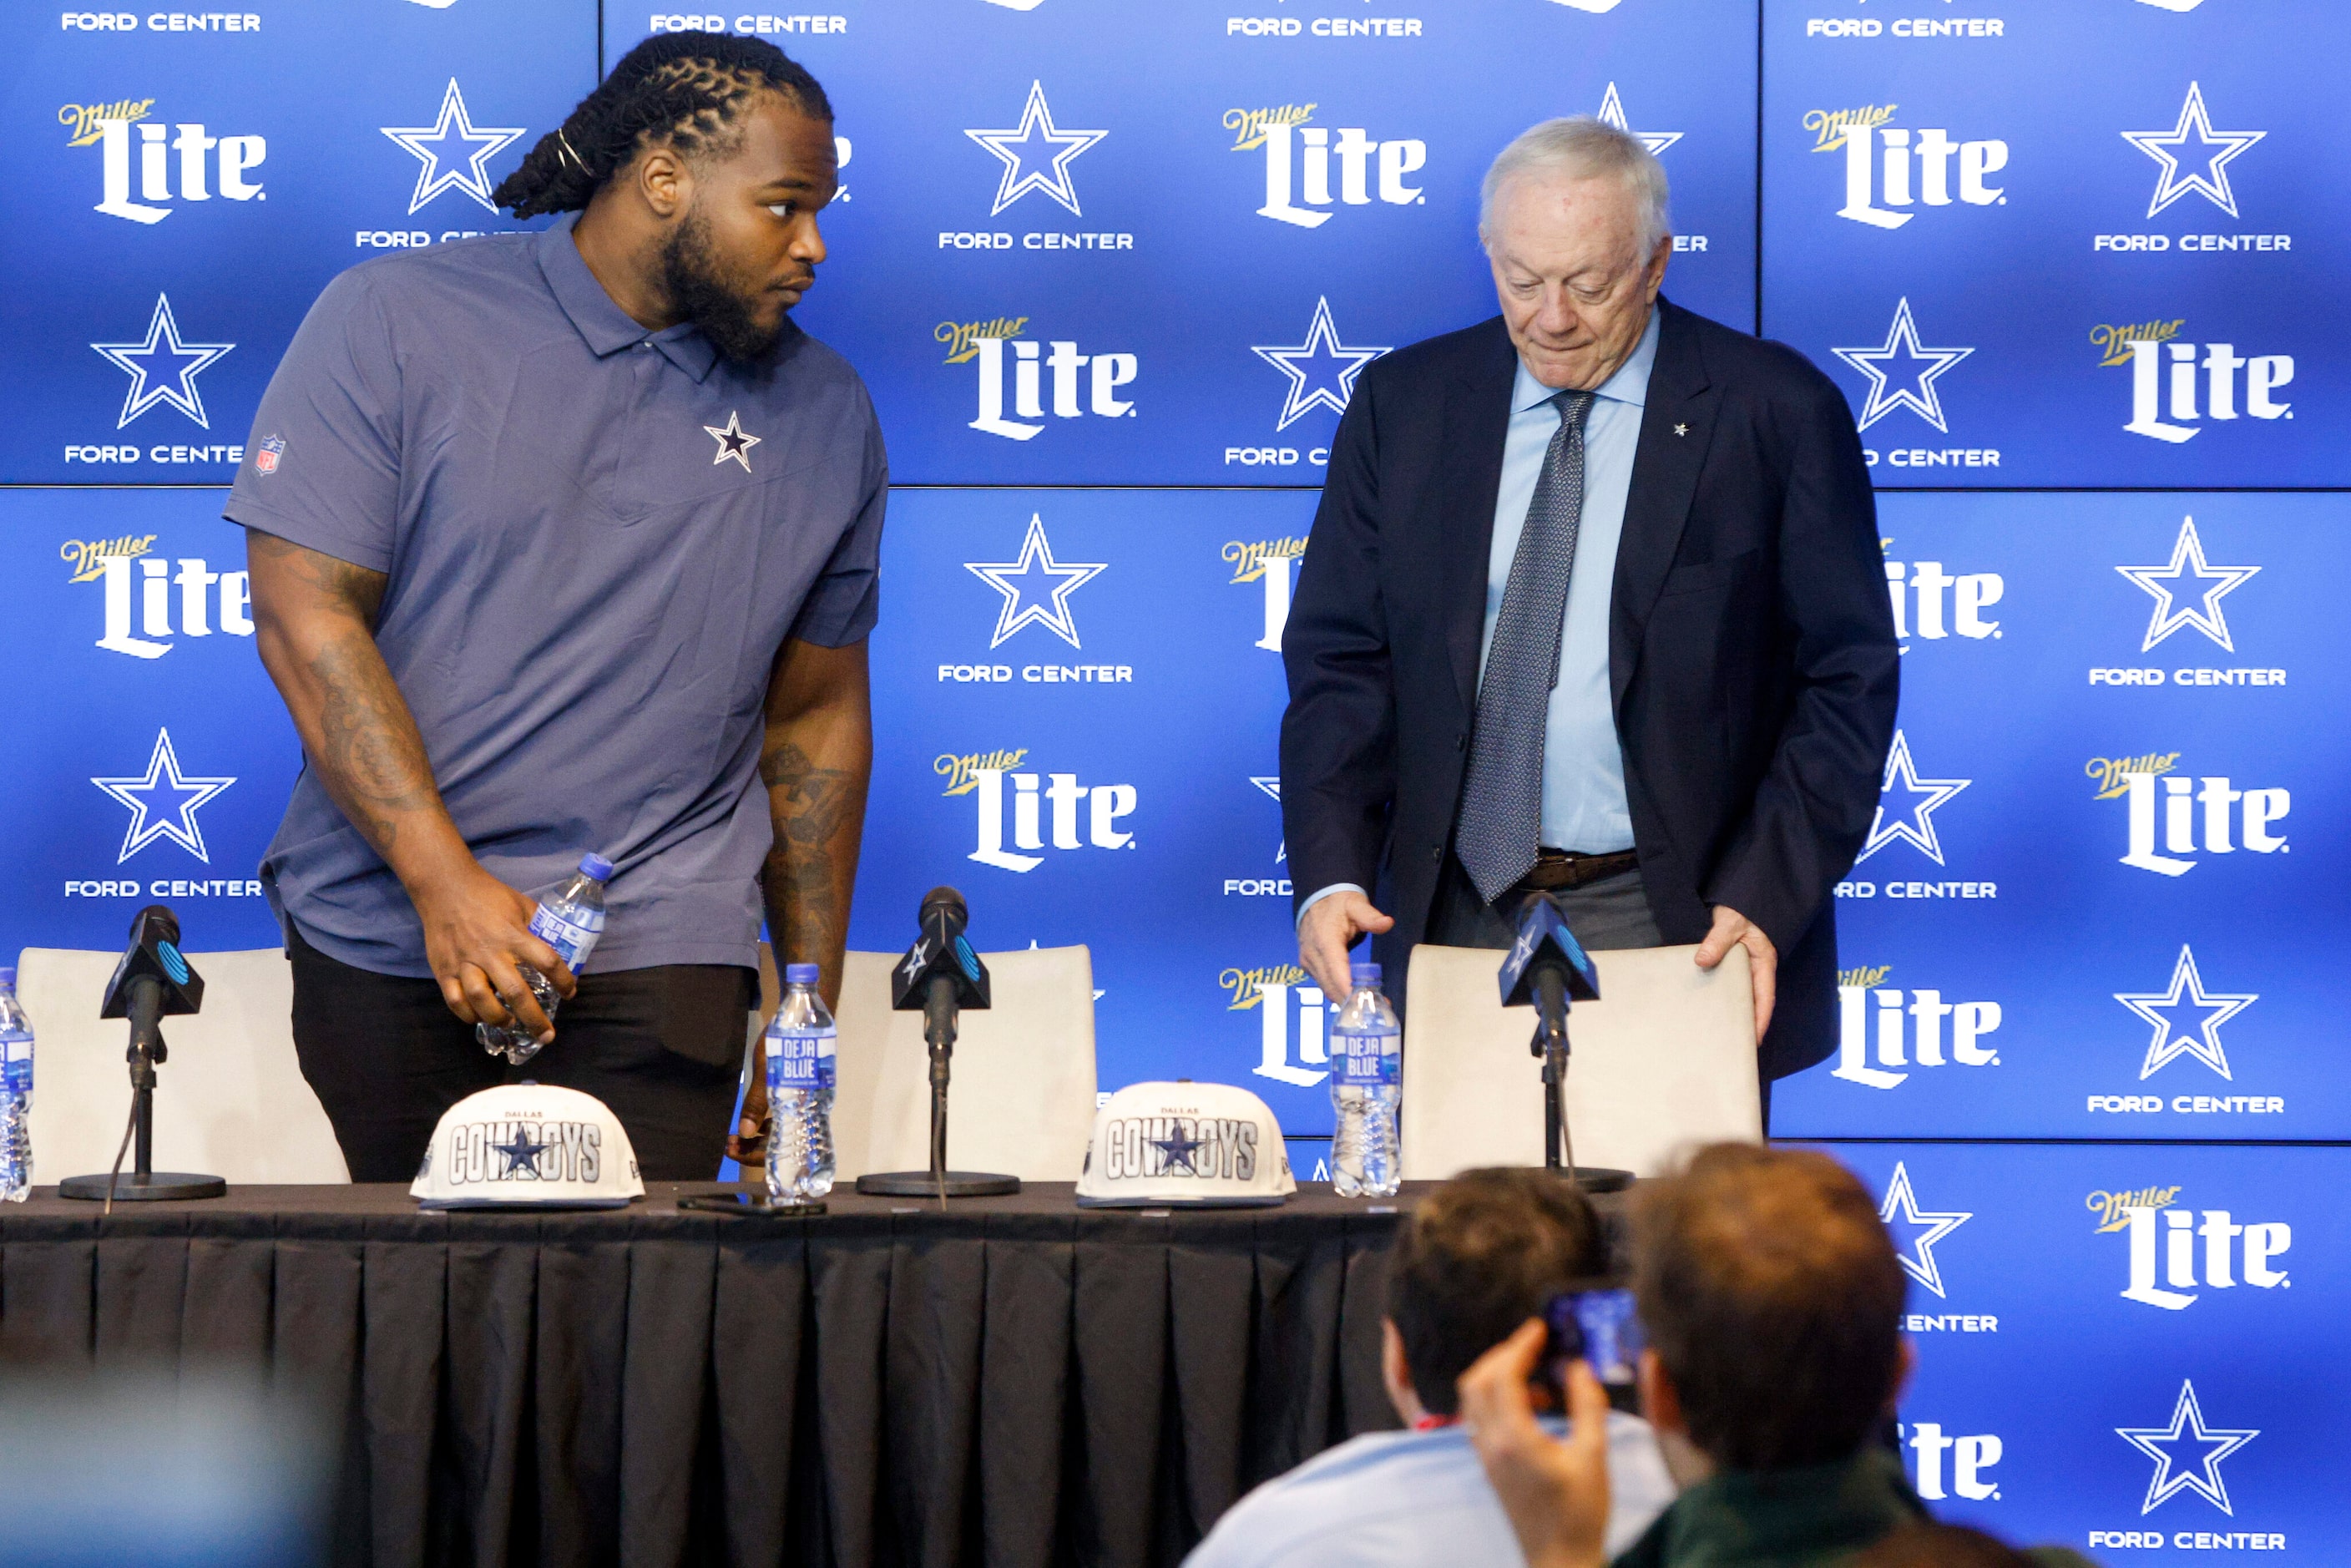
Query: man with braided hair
(559,542)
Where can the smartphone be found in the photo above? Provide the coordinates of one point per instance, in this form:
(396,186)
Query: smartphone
(746,1203)
(1600,1326)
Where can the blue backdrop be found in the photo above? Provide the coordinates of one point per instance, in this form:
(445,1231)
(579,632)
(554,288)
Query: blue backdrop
(1111,272)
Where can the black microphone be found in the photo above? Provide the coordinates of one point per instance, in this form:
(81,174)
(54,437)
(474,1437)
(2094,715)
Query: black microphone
(940,974)
(153,981)
(1546,965)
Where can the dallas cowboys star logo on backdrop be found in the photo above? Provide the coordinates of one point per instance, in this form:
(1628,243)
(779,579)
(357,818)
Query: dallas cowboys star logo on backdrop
(175,819)
(1273,788)
(2201,1474)
(2175,610)
(173,379)
(1611,113)
(1902,372)
(2180,1030)
(1926,1228)
(522,1154)
(2214,150)
(1322,370)
(1025,168)
(1036,588)
(455,152)
(733,443)
(1916,822)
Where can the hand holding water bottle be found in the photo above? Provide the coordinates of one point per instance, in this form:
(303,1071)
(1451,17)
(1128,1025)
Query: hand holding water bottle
(478,939)
(568,922)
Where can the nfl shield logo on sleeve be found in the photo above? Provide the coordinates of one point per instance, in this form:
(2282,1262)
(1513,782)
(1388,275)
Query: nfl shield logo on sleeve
(265,460)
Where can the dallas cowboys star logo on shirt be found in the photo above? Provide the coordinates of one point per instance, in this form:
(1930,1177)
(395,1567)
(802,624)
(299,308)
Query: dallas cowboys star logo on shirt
(732,442)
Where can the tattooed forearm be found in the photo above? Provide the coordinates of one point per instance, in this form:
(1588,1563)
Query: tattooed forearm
(369,751)
(818,813)
(314,616)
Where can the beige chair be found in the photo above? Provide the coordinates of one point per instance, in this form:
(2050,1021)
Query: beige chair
(1021,1100)
(1666,1060)
(230,1101)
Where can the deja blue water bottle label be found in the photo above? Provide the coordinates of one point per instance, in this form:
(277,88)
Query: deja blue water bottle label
(16,1061)
(1365,1060)
(575,939)
(799,1059)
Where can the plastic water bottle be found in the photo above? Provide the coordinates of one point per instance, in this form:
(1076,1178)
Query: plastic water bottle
(569,920)
(1366,1083)
(801,1042)
(15,1093)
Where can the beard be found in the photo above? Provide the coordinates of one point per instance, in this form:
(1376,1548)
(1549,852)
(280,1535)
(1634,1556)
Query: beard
(701,293)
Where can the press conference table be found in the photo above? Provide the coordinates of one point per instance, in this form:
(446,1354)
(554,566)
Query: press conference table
(1013,1382)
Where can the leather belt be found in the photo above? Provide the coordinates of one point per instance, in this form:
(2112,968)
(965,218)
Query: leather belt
(1563,871)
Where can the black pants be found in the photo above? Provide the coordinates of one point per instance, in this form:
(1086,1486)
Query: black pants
(663,1048)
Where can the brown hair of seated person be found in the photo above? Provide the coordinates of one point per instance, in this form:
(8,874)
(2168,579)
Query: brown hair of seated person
(1772,1299)
(1479,1256)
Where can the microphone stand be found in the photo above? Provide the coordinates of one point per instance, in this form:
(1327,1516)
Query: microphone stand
(939,1009)
(1550,1044)
(144,1183)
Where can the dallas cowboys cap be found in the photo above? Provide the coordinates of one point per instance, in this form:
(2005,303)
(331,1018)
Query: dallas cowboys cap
(1185,1146)
(527,1145)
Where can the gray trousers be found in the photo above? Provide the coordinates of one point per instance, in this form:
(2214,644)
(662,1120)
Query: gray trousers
(1611,913)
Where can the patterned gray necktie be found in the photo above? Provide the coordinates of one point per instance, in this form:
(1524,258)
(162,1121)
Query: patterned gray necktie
(1501,802)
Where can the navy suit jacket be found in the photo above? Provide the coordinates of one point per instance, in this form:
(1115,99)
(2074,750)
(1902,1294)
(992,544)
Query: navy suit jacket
(1751,655)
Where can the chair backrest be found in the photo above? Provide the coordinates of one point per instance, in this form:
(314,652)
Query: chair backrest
(1665,1059)
(1022,1098)
(230,1101)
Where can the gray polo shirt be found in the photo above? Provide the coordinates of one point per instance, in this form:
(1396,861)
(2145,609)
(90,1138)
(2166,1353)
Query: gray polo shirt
(597,538)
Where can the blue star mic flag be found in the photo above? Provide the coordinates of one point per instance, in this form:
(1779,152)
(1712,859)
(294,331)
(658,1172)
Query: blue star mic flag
(1545,943)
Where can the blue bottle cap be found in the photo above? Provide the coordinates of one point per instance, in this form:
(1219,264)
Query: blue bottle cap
(799,974)
(1366,974)
(596,866)
(8,978)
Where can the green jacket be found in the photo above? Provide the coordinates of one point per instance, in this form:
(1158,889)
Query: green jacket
(1816,1518)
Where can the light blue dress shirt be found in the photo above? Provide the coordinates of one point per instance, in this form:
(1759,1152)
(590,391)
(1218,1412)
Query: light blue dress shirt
(1583,769)
(1405,1500)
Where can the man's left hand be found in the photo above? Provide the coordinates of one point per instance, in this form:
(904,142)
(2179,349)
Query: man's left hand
(1732,928)
(1555,1494)
(748,1145)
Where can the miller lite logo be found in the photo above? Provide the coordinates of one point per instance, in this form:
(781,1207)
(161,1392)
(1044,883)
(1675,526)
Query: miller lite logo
(1298,158)
(173,162)
(1913,1027)
(1017,374)
(1047,811)
(2197,816)
(1291,1014)
(1272,564)
(1890,169)
(2176,386)
(2175,1256)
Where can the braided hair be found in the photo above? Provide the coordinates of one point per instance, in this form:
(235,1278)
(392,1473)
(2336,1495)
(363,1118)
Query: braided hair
(683,89)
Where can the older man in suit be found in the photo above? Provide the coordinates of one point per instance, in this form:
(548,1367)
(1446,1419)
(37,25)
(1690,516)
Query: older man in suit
(1594,605)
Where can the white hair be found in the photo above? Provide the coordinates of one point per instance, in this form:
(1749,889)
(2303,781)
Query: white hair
(1579,147)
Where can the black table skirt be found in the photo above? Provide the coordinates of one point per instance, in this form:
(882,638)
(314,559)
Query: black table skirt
(1015,1382)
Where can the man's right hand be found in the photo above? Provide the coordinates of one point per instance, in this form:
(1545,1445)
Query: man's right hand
(1326,933)
(476,930)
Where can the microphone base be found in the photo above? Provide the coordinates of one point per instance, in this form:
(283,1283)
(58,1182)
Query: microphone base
(1601,1178)
(144,1186)
(922,1184)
